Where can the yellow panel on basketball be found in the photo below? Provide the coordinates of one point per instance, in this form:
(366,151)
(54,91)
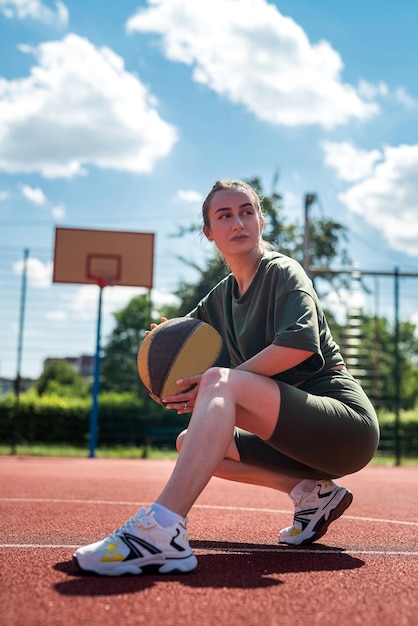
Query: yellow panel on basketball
(195,356)
(179,348)
(143,359)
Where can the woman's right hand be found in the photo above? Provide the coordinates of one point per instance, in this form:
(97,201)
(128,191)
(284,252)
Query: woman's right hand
(184,402)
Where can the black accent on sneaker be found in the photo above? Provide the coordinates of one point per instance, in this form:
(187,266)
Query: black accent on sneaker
(327,493)
(323,495)
(322,524)
(156,569)
(176,545)
(133,544)
(303,521)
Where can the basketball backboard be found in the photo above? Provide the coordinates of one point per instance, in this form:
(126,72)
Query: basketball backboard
(103,257)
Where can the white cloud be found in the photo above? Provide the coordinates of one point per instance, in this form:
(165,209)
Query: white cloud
(57,315)
(37,196)
(349,162)
(188,196)
(58,212)
(291,202)
(79,107)
(39,274)
(82,303)
(4,195)
(34,195)
(371,91)
(342,301)
(387,197)
(36,10)
(402,96)
(160,299)
(255,56)
(116,298)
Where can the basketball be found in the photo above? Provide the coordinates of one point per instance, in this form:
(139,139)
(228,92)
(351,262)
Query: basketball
(178,348)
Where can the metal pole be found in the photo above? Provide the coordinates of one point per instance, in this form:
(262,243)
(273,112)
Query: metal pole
(309,199)
(376,363)
(396,371)
(94,415)
(149,307)
(21,320)
(16,434)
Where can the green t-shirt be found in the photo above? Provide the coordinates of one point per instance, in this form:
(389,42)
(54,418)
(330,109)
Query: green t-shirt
(280,307)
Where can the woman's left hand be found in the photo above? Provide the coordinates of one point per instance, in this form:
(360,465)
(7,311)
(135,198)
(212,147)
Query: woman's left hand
(184,402)
(152,326)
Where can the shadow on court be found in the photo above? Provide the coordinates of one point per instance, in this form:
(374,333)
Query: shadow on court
(246,566)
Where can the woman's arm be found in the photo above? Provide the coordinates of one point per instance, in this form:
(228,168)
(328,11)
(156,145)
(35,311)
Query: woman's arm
(270,361)
(274,359)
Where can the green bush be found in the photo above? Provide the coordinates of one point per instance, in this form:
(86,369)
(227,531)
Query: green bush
(407,433)
(126,420)
(60,378)
(123,419)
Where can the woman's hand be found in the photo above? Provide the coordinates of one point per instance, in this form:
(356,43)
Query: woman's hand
(184,401)
(152,326)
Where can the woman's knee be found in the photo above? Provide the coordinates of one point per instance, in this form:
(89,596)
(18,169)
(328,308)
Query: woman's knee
(213,377)
(220,382)
(180,439)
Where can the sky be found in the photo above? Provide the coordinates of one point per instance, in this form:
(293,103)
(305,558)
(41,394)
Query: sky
(121,116)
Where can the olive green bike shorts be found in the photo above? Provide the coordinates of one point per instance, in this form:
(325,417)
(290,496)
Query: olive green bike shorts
(326,428)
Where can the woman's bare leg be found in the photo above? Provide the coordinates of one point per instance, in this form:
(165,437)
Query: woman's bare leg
(232,468)
(252,475)
(219,407)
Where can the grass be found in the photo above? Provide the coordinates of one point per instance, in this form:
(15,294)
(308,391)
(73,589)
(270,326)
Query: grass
(122,452)
(132,452)
(387,459)
(118,452)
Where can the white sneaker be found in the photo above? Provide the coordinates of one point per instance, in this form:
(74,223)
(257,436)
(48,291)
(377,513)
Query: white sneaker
(314,512)
(140,546)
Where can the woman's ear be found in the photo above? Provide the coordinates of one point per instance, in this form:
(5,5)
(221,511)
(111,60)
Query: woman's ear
(206,232)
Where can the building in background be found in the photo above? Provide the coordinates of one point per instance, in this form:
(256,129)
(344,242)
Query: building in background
(83,365)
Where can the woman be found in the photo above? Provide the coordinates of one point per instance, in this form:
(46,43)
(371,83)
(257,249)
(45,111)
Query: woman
(286,415)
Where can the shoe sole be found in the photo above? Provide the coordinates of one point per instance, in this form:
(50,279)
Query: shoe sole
(322,524)
(175,566)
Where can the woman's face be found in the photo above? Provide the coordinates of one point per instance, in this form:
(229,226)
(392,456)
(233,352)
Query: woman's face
(235,223)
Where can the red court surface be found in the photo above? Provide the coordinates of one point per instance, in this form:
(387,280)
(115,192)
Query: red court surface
(364,571)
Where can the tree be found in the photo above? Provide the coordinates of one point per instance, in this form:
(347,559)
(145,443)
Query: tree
(61,378)
(119,369)
(378,352)
(325,240)
(327,237)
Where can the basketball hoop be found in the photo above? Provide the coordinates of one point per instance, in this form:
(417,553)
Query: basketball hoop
(102,257)
(104,269)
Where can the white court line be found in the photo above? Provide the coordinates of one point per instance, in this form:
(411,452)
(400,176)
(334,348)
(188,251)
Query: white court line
(269,549)
(199,506)
(364,519)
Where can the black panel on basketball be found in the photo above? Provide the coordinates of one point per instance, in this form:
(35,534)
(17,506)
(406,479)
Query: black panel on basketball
(165,347)
(175,349)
